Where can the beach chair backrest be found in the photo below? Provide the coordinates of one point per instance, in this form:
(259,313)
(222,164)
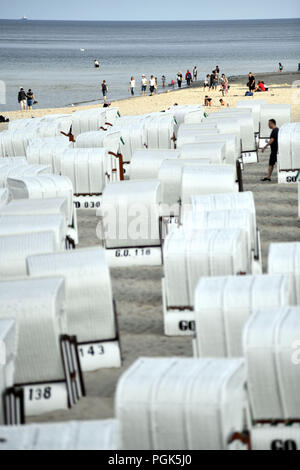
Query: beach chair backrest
(215,152)
(289,146)
(179,403)
(145,164)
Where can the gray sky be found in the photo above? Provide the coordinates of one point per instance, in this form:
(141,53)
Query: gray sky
(149,10)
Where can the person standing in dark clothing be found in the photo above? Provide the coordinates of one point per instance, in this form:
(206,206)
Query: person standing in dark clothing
(273,143)
(251,82)
(22,99)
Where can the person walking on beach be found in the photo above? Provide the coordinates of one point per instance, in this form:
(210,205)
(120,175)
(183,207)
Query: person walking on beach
(206,82)
(30,99)
(152,85)
(156,85)
(251,82)
(273,143)
(104,90)
(224,84)
(215,80)
(22,99)
(163,81)
(132,86)
(144,84)
(188,78)
(96,64)
(179,79)
(280,67)
(195,73)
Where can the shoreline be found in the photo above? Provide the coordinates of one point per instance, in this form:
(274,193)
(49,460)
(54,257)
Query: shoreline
(280,91)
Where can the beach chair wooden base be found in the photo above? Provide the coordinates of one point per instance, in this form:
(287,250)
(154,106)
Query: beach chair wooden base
(250,157)
(46,397)
(13,406)
(134,256)
(178,321)
(288,176)
(87,202)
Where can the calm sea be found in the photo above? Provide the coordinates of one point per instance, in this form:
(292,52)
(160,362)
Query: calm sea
(46,55)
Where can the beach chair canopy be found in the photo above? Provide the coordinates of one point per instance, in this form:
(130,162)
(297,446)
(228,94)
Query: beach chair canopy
(284,258)
(89,301)
(88,120)
(48,151)
(110,140)
(49,206)
(188,114)
(215,152)
(244,120)
(289,146)
(69,435)
(180,403)
(191,254)
(86,169)
(130,213)
(15,142)
(25,170)
(232,145)
(14,250)
(280,112)
(269,342)
(43,187)
(26,224)
(37,305)
(145,164)
(255,106)
(224,304)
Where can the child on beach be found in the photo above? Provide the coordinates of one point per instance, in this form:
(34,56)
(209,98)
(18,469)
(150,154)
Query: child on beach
(104,90)
(22,99)
(207,101)
(224,84)
(206,82)
(222,102)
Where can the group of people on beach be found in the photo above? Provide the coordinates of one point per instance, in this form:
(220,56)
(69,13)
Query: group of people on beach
(26,100)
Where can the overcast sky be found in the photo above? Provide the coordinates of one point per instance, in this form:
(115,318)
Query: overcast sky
(149,9)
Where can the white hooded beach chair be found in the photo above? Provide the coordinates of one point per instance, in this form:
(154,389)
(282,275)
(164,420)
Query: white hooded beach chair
(280,112)
(255,106)
(246,123)
(181,404)
(288,156)
(214,152)
(133,138)
(46,366)
(188,255)
(14,143)
(188,133)
(270,341)
(14,250)
(47,206)
(11,406)
(90,309)
(27,224)
(87,169)
(129,222)
(225,202)
(208,179)
(47,151)
(69,435)
(224,304)
(25,170)
(43,187)
(187,114)
(88,120)
(50,125)
(231,141)
(145,164)
(161,130)
(284,258)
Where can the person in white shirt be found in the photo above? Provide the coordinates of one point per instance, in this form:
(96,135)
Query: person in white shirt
(152,85)
(144,85)
(132,86)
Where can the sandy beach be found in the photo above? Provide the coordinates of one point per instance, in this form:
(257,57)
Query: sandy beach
(138,291)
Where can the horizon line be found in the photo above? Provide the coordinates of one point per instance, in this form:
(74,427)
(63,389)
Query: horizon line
(152,21)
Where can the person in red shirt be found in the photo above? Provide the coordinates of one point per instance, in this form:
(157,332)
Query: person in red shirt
(261,87)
